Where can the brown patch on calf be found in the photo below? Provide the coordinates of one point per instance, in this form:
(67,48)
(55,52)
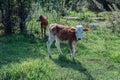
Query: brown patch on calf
(64,33)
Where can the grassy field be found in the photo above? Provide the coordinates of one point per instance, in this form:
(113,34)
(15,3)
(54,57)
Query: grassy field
(97,58)
(26,57)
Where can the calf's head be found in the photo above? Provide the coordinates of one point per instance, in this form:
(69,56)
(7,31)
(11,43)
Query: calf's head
(79,30)
(39,18)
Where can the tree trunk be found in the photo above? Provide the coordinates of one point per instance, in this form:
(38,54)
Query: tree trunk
(22,17)
(7,17)
(22,26)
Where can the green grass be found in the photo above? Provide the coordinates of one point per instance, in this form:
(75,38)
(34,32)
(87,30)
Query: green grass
(97,58)
(26,57)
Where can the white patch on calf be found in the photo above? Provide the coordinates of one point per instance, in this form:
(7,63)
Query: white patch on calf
(79,31)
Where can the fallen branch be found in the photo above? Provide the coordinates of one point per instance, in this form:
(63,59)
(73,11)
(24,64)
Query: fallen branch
(71,18)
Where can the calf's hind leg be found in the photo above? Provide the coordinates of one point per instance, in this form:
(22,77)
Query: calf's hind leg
(42,32)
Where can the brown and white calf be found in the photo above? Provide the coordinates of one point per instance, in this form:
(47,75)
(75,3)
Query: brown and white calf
(44,23)
(64,33)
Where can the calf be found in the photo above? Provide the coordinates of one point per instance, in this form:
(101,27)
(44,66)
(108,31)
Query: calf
(44,23)
(64,33)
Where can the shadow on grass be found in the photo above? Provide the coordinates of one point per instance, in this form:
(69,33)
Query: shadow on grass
(15,51)
(74,64)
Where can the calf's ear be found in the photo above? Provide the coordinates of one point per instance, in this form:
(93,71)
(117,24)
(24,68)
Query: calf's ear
(72,30)
(85,29)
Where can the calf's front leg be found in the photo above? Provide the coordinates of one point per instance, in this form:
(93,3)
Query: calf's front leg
(72,48)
